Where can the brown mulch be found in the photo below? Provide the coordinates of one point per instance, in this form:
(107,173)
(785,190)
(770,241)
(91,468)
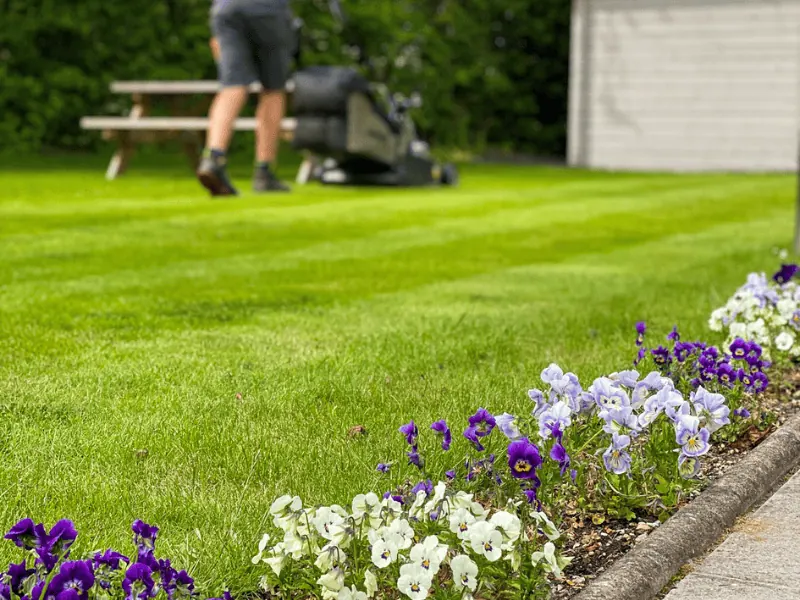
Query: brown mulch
(594,543)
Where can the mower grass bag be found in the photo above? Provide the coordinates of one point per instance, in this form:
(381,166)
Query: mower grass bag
(340,119)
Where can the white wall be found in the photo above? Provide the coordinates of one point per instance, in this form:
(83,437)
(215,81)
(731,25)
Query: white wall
(685,85)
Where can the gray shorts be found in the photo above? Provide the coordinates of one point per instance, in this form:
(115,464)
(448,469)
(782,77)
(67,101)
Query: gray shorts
(256,42)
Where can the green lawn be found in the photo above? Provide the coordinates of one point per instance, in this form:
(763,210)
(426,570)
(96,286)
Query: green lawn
(238,341)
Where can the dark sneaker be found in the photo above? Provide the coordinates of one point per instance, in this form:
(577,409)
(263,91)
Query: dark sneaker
(214,178)
(265,180)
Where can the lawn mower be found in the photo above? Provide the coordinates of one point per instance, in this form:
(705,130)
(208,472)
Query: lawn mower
(358,133)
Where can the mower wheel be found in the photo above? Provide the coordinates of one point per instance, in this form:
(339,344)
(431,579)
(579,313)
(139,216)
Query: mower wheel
(449,175)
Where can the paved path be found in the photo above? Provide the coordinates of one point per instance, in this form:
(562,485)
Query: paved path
(760,560)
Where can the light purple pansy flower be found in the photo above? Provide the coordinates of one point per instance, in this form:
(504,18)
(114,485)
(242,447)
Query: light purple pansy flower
(615,458)
(508,425)
(558,415)
(691,437)
(712,407)
(608,395)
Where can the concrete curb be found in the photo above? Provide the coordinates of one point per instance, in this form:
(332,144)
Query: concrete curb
(644,571)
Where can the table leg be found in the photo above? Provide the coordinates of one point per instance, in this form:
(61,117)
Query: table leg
(306,169)
(119,162)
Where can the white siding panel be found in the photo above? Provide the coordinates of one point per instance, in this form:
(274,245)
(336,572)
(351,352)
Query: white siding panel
(687,85)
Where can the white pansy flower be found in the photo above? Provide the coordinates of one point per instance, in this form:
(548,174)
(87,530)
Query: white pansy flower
(546,525)
(341,535)
(384,553)
(351,594)
(329,558)
(391,508)
(460,523)
(461,500)
(738,330)
(324,519)
(332,581)
(429,554)
(479,511)
(465,573)
(486,540)
(414,582)
(262,546)
(284,504)
(294,545)
(784,341)
(715,322)
(365,504)
(510,525)
(277,559)
(370,583)
(552,563)
(404,531)
(417,509)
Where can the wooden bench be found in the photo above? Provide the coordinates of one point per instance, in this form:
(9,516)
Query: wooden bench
(138,126)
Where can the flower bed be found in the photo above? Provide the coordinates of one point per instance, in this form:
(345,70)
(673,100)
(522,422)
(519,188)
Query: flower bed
(500,507)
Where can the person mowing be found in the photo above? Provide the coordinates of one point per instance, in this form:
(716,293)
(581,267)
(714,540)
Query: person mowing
(252,41)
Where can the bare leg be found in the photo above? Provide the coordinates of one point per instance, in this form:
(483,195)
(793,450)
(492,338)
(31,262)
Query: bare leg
(225,109)
(269,114)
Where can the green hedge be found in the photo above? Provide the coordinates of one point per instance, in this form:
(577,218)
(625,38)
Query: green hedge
(490,72)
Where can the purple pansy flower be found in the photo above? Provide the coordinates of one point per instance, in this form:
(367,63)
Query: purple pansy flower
(682,351)
(754,352)
(5,591)
(411,432)
(742,413)
(183,585)
(423,486)
(144,536)
(414,458)
(17,574)
(450,474)
(615,458)
(661,356)
(471,434)
(674,336)
(785,274)
(523,459)
(760,382)
(61,537)
(26,535)
(383,468)
(641,329)
(739,349)
(138,582)
(74,580)
(441,427)
(483,422)
(559,454)
(110,559)
(639,357)
(726,374)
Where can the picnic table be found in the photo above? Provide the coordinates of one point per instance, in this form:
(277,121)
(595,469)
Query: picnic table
(186,121)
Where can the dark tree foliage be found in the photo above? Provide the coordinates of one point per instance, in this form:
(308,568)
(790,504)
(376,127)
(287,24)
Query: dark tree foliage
(490,72)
